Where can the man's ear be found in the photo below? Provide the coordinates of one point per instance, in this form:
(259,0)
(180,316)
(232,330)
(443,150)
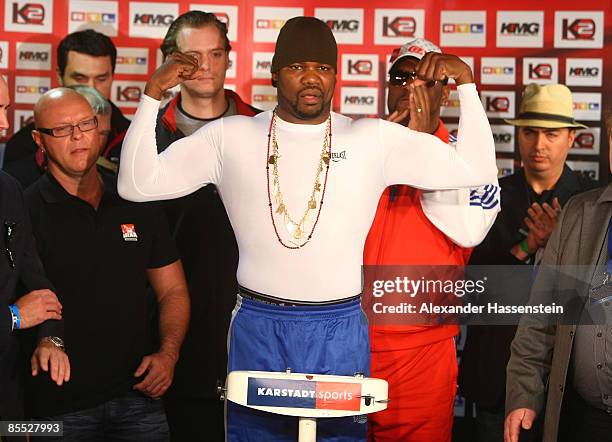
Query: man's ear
(571,135)
(37,137)
(274,78)
(59,77)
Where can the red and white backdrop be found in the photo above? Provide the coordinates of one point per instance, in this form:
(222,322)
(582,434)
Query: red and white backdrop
(561,41)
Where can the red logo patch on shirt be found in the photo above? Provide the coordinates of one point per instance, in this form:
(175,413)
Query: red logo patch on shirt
(129,232)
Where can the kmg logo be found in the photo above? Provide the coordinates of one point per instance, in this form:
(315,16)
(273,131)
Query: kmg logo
(153,19)
(520,28)
(362,100)
(351,26)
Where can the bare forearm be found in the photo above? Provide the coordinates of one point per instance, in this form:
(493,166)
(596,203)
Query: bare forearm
(174,311)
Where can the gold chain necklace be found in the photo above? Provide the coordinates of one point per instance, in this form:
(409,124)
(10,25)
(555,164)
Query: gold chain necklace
(296,228)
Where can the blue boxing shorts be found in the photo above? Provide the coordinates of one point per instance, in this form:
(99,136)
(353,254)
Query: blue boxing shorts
(319,339)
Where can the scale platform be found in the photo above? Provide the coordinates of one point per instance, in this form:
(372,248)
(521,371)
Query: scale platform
(307,396)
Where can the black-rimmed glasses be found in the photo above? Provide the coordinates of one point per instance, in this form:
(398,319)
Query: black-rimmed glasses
(68,130)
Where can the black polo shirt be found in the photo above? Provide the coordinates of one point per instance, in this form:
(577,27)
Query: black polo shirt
(97,260)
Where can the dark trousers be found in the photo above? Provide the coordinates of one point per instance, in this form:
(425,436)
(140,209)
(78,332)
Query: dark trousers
(490,424)
(127,418)
(195,419)
(15,413)
(586,423)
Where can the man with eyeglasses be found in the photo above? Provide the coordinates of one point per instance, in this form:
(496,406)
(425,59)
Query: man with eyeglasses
(83,58)
(99,251)
(418,361)
(38,307)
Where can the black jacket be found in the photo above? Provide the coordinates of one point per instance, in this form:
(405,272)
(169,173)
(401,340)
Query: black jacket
(20,155)
(27,275)
(482,372)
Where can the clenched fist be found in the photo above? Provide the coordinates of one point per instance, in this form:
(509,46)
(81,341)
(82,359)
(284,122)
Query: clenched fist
(177,68)
(438,67)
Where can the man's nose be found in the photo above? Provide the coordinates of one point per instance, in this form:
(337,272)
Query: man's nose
(541,141)
(311,75)
(77,133)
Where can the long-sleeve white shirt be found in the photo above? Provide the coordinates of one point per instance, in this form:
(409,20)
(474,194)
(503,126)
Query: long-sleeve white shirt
(232,154)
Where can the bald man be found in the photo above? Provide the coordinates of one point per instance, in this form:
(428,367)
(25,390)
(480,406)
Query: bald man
(21,267)
(100,250)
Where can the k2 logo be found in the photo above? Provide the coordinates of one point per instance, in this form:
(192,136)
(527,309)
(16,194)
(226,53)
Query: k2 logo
(579,29)
(29,14)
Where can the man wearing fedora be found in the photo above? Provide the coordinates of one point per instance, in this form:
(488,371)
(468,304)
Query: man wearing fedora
(533,197)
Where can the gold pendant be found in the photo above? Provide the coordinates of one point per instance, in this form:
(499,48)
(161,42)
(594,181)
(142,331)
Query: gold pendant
(325,158)
(281,209)
(298,233)
(312,204)
(272,159)
(318,187)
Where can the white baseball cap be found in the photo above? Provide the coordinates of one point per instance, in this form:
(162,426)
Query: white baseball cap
(416,48)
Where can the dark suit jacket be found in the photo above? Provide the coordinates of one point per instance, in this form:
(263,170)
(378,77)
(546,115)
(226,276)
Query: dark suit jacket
(27,275)
(538,366)
(482,372)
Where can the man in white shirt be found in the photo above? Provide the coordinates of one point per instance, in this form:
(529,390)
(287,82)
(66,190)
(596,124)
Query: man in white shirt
(300,186)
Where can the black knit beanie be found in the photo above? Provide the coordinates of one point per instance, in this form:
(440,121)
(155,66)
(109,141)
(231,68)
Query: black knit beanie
(305,39)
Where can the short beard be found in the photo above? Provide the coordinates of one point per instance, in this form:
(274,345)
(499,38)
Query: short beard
(310,114)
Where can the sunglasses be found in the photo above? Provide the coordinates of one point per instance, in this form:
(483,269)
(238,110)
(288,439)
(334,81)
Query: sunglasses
(401,79)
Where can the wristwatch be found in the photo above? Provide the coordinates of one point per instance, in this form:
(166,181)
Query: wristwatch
(58,342)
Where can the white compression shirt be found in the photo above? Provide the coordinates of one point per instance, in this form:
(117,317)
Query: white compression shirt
(231,153)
